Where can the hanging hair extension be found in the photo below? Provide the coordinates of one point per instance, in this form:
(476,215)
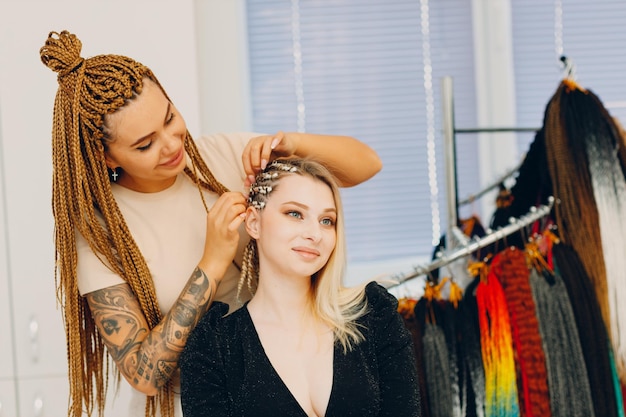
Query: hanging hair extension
(532,187)
(437,369)
(436,358)
(620,389)
(472,374)
(501,397)
(602,142)
(594,340)
(576,213)
(570,394)
(450,327)
(512,271)
(89,90)
(621,134)
(406,308)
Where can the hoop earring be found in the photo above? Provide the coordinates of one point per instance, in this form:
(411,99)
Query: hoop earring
(113,174)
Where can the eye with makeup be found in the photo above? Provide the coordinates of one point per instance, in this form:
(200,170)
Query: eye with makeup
(294,213)
(328,221)
(325,221)
(170,118)
(144,147)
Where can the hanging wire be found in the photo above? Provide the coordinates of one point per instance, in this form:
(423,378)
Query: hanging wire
(558,28)
(430,122)
(297,64)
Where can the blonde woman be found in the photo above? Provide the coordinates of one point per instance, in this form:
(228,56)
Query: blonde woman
(304,346)
(148,221)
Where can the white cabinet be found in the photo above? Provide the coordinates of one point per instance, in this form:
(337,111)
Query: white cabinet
(8,406)
(42,397)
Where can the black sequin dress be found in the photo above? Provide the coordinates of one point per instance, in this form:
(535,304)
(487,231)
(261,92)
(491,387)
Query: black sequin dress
(225,372)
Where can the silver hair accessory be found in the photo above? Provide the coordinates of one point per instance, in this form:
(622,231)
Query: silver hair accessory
(282,166)
(263,185)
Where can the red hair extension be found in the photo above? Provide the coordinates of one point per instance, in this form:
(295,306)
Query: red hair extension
(511,269)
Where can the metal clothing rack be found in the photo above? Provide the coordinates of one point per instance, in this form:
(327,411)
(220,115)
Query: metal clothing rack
(493,185)
(516,224)
(454,237)
(449,147)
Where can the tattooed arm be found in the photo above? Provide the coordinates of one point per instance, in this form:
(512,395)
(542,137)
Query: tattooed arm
(148,358)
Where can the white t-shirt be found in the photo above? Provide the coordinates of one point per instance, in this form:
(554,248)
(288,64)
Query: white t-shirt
(169,228)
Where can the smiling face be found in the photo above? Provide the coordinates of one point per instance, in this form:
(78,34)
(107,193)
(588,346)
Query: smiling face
(295,231)
(147,141)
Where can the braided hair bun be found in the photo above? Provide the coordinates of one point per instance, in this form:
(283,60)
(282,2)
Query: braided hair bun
(61,52)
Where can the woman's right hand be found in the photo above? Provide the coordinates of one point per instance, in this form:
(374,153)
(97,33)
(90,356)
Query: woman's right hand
(222,235)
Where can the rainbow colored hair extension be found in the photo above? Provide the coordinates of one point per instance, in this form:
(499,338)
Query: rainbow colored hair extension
(501,396)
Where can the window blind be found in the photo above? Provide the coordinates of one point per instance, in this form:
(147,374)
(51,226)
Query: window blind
(592,35)
(372,70)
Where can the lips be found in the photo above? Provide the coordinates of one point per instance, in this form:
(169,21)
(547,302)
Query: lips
(307,252)
(175,160)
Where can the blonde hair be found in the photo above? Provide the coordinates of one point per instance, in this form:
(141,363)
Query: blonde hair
(336,305)
(89,89)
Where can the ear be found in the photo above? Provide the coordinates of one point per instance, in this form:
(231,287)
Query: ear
(111,164)
(253,222)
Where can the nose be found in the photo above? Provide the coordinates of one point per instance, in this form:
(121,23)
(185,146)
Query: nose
(171,144)
(312,230)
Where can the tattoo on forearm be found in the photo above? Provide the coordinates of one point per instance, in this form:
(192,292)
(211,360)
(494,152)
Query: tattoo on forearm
(164,371)
(148,356)
(118,321)
(144,370)
(187,311)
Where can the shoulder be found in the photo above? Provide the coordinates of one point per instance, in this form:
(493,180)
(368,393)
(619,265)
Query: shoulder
(217,327)
(217,318)
(207,335)
(222,153)
(209,327)
(379,299)
(216,338)
(226,140)
(383,320)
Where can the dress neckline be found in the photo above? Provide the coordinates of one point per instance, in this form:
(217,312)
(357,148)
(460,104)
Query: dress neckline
(257,339)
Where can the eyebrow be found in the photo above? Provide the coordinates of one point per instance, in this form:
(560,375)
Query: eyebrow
(141,139)
(304,206)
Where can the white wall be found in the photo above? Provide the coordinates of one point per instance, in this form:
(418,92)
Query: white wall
(223,66)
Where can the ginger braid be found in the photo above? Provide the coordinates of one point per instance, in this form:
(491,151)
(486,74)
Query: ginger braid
(82,201)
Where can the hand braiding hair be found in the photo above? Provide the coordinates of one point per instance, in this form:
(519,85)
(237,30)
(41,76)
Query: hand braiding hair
(82,199)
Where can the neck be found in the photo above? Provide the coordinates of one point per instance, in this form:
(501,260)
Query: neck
(145,187)
(282,301)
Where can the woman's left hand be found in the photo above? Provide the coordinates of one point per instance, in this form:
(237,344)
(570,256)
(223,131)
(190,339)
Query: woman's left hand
(350,160)
(263,149)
